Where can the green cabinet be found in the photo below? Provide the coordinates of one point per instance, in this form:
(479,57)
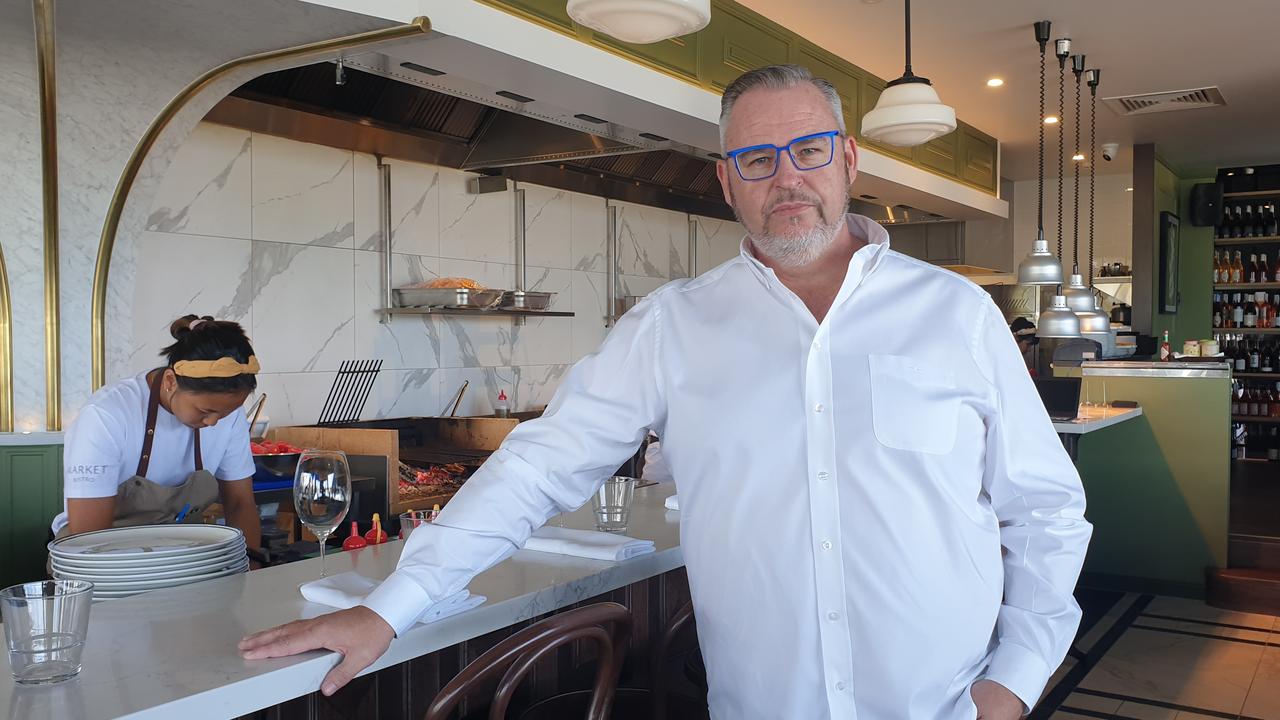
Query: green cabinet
(677,56)
(551,13)
(738,40)
(978,158)
(30,497)
(941,154)
(846,79)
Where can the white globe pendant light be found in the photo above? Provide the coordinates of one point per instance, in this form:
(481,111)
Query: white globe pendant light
(909,112)
(641,21)
(1041,267)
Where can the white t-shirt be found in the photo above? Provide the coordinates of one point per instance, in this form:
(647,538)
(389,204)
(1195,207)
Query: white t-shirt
(105,440)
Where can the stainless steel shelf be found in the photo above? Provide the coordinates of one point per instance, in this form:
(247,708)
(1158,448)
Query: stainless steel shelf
(472,312)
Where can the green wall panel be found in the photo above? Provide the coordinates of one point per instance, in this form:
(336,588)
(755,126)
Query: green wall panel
(738,40)
(30,495)
(940,154)
(1158,487)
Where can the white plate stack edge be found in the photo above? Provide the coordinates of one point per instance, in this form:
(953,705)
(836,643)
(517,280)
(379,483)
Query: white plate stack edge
(126,561)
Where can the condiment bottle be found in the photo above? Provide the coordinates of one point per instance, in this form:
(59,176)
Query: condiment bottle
(376,535)
(502,408)
(354,541)
(435,512)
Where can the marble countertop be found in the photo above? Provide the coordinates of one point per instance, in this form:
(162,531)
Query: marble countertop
(1096,418)
(172,653)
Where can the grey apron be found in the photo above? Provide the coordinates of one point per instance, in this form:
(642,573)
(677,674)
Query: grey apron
(142,502)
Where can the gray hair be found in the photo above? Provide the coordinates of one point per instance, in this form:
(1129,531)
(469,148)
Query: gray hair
(776,77)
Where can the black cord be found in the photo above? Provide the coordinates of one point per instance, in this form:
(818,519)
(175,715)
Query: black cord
(1075,231)
(1062,120)
(1093,166)
(1040,120)
(908,43)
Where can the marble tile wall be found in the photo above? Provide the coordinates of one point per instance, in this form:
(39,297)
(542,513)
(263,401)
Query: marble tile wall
(283,237)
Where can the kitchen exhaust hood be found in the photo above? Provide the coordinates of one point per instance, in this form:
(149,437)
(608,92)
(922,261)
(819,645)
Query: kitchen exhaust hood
(399,108)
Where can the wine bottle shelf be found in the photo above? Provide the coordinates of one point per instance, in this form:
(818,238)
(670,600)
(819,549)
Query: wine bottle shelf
(1252,194)
(1246,241)
(1248,331)
(1253,419)
(1256,376)
(1244,287)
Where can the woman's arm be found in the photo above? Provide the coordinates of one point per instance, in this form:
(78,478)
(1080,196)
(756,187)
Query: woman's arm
(88,514)
(240,509)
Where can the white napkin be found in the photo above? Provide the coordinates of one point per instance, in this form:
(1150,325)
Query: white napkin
(672,502)
(587,544)
(346,590)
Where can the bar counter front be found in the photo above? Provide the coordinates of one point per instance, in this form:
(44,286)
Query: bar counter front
(172,653)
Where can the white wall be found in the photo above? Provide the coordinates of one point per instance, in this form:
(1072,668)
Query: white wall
(282,237)
(1113,219)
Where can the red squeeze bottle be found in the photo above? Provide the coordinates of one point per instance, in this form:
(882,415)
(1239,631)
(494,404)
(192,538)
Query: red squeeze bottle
(354,541)
(377,535)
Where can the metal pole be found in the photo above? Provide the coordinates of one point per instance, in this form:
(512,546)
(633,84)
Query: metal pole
(46,70)
(693,247)
(384,225)
(522,258)
(611,263)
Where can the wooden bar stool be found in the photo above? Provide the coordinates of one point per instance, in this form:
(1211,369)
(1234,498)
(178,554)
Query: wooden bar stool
(607,624)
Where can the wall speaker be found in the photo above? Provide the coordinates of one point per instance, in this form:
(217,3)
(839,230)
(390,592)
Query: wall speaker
(1206,204)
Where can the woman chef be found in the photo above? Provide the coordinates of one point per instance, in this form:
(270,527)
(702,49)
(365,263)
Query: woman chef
(169,442)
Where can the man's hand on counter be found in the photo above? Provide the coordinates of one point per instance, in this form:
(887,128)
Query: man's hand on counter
(359,634)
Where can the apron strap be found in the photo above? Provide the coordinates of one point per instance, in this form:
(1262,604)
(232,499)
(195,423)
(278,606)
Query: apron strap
(153,411)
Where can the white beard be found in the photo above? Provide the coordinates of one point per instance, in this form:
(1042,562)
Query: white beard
(799,248)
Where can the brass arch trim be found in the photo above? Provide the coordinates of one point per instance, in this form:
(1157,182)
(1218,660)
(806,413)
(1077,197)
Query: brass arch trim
(46,73)
(6,351)
(419,26)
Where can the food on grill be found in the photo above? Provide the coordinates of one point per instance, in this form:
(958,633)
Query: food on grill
(273,447)
(451,282)
(435,480)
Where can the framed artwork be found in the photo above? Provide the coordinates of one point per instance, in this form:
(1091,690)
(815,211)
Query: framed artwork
(1168,263)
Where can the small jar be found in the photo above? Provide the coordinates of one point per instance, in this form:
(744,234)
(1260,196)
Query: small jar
(1191,348)
(1209,348)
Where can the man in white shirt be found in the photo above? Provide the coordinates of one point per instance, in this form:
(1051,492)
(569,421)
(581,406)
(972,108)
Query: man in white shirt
(877,518)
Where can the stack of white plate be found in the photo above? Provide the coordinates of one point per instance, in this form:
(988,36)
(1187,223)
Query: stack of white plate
(126,561)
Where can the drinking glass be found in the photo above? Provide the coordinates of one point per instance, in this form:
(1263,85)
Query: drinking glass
(45,624)
(612,503)
(322,493)
(412,519)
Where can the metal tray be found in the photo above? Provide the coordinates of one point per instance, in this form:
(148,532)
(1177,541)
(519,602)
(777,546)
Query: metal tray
(520,300)
(447,297)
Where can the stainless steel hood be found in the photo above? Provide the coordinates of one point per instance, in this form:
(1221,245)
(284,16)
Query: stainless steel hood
(402,109)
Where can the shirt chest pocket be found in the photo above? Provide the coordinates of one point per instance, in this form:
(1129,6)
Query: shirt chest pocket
(915,406)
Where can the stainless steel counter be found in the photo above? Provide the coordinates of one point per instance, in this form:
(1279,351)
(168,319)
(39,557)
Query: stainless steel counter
(1137,368)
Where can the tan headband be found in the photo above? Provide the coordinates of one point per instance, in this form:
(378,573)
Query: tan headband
(223,367)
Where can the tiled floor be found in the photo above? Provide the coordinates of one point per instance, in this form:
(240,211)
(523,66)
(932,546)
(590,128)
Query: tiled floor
(1143,656)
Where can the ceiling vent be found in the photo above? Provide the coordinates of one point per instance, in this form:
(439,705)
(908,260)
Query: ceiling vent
(1166,101)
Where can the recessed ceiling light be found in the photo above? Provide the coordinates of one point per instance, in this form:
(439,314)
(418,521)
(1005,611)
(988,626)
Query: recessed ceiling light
(1077,157)
(1050,119)
(995,82)
(1128,189)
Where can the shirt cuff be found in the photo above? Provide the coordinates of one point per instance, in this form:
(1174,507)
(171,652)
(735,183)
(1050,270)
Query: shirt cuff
(1021,671)
(399,601)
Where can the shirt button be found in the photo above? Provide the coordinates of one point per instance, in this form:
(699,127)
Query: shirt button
(833,616)
(823,475)
(819,408)
(840,685)
(826,544)
(817,345)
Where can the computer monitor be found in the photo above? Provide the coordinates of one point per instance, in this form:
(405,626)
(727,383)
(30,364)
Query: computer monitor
(1061,397)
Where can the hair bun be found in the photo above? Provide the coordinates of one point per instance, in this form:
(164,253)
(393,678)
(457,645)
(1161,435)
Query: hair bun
(183,325)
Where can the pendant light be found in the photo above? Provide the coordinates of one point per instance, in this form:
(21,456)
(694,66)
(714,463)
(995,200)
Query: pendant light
(1096,323)
(909,112)
(1040,267)
(1058,321)
(1079,297)
(641,21)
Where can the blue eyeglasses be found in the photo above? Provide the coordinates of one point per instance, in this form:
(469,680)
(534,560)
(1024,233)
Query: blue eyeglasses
(808,152)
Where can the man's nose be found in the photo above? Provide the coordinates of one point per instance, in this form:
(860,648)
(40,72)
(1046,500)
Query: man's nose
(788,175)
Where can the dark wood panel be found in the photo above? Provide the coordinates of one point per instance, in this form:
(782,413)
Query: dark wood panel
(1244,590)
(1255,498)
(404,691)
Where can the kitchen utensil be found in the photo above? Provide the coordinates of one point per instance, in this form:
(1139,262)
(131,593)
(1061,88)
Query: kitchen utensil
(524,300)
(253,423)
(612,503)
(322,493)
(447,297)
(45,624)
(350,391)
(457,399)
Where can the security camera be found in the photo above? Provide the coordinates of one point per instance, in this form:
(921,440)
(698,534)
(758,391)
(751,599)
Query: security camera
(1110,150)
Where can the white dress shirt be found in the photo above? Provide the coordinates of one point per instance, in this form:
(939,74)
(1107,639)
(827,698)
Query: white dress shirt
(846,489)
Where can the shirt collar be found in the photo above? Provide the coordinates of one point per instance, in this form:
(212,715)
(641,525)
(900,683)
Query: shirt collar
(862,262)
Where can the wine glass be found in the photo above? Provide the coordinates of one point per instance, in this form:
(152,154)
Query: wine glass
(322,492)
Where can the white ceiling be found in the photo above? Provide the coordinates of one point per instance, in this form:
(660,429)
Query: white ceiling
(1141,46)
